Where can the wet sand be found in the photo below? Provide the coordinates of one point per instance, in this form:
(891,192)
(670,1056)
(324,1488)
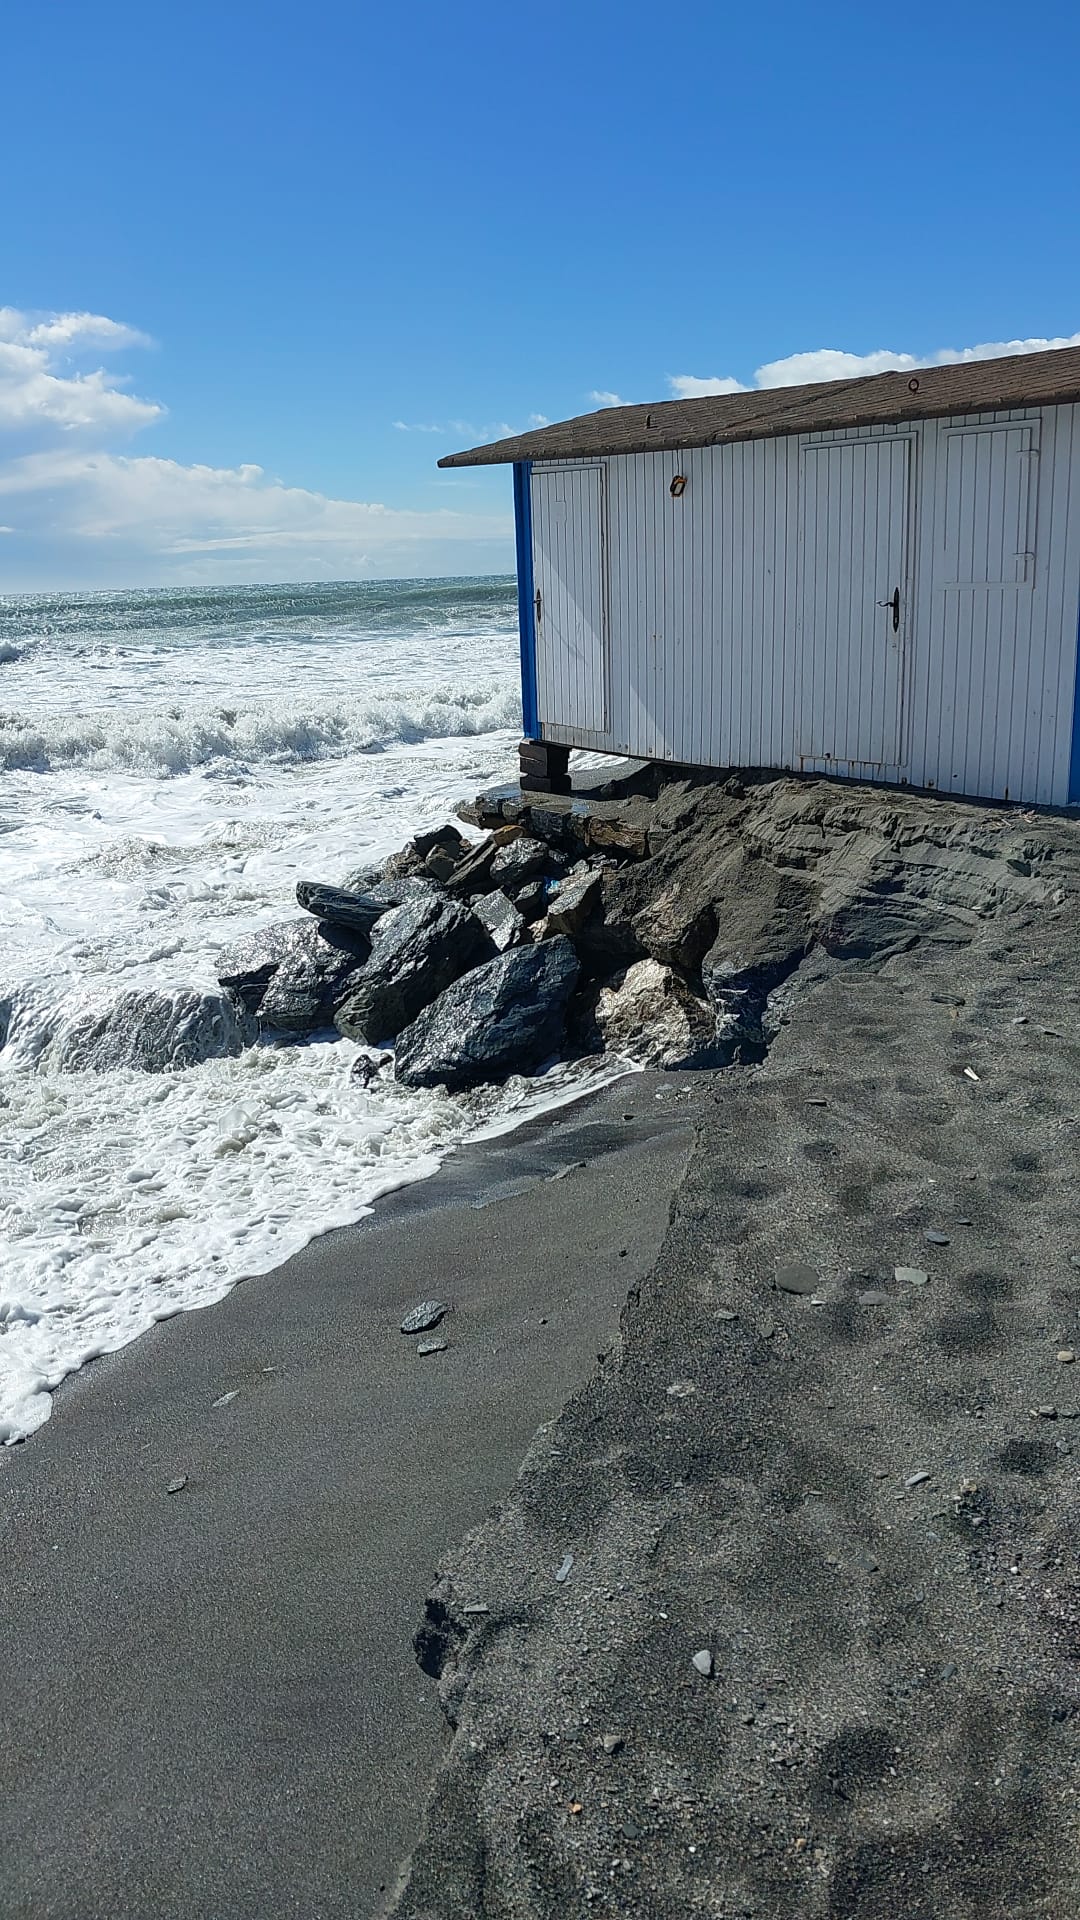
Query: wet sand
(210,1707)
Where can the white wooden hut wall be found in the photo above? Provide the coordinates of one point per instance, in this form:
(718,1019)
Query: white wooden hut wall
(750,622)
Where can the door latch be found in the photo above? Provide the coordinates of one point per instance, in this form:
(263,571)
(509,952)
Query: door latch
(893,602)
(539,604)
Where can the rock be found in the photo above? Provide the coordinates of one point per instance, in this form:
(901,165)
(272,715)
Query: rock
(1066,1355)
(312,978)
(501,1018)
(421,1318)
(424,1347)
(799,1279)
(177,1485)
(224,1399)
(447,838)
(405,886)
(651,1014)
(612,1742)
(417,950)
(152,1031)
(911,1276)
(440,864)
(368,1064)
(874,1297)
(524,859)
(246,968)
(473,873)
(674,929)
(702,1663)
(617,836)
(914,1480)
(503,921)
(935,1239)
(531,900)
(404,864)
(338,907)
(574,901)
(562,1571)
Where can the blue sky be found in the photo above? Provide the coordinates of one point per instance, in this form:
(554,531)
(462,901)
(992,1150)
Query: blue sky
(239,242)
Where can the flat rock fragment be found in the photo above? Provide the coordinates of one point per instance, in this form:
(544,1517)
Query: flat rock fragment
(797,1279)
(424,1316)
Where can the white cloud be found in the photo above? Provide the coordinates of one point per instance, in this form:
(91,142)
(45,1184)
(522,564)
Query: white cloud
(39,388)
(601,399)
(459,429)
(539,420)
(832,363)
(88,513)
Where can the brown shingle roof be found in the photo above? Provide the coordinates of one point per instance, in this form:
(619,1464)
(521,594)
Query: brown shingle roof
(977,386)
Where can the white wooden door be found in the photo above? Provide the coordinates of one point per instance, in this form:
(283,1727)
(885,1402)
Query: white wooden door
(569,604)
(852,600)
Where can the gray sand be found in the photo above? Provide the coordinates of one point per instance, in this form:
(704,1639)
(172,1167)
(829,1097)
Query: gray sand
(210,1705)
(857,1508)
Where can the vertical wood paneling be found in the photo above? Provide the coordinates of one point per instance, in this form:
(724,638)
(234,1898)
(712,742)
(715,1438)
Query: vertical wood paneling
(708,664)
(568,569)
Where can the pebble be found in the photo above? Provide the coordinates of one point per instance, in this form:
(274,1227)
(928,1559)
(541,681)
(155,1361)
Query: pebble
(177,1485)
(430,1346)
(798,1279)
(916,1479)
(817,1100)
(1066,1355)
(562,1571)
(703,1662)
(911,1276)
(874,1297)
(612,1742)
(1020,1020)
(934,1238)
(949,1670)
(477,1606)
(421,1318)
(1046,1413)
(970,1073)
(224,1398)
(681,1390)
(726,1313)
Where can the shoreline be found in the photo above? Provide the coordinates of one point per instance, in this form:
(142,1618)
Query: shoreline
(187,1673)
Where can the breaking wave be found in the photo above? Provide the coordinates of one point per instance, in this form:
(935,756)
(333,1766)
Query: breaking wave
(175,740)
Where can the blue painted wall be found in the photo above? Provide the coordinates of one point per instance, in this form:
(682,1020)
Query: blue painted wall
(530,719)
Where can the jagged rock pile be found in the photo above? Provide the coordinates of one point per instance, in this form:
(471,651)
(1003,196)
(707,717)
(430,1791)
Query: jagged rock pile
(674,923)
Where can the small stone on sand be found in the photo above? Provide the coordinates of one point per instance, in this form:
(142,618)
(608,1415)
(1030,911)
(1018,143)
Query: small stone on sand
(612,1742)
(936,1239)
(421,1318)
(798,1278)
(681,1390)
(1066,1355)
(874,1297)
(177,1485)
(703,1662)
(911,1276)
(970,1073)
(430,1346)
(562,1571)
(916,1479)
(726,1313)
(224,1398)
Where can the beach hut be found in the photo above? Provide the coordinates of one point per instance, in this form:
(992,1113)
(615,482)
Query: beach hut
(877,578)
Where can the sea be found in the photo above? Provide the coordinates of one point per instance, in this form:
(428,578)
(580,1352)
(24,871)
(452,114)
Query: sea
(171,763)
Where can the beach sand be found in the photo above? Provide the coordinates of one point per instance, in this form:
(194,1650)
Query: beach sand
(864,1512)
(210,1706)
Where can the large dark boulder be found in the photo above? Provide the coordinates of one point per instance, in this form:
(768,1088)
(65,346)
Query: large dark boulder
(338,906)
(153,1031)
(246,968)
(417,950)
(502,1018)
(293,975)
